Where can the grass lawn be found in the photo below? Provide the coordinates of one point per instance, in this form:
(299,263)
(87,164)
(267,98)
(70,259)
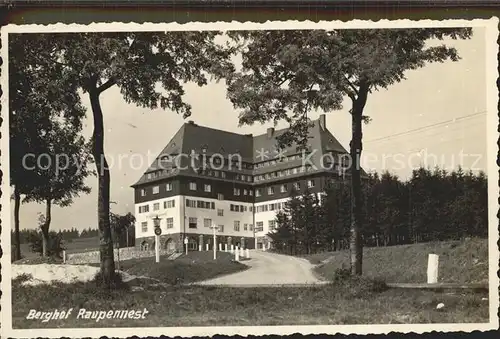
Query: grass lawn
(195,266)
(337,303)
(459,262)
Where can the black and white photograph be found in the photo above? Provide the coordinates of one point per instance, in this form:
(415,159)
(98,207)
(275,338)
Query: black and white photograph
(244,178)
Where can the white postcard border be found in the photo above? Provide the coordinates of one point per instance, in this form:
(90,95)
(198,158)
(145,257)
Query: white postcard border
(491,26)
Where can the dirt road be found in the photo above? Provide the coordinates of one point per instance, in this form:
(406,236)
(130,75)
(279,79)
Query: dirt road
(269,269)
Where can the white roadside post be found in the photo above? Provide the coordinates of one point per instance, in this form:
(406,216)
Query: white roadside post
(199,248)
(213,227)
(220,247)
(242,252)
(64,256)
(232,248)
(248,253)
(237,254)
(186,241)
(432,269)
(156,222)
(207,247)
(225,247)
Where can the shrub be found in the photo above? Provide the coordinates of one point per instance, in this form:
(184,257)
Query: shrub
(356,286)
(55,245)
(117,282)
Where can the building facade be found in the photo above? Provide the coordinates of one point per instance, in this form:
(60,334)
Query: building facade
(206,178)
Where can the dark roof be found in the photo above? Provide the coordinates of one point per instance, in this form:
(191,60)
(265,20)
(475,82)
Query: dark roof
(204,140)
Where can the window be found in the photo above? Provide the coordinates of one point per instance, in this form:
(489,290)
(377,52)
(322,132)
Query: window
(144,209)
(156,189)
(250,227)
(143,193)
(216,174)
(169,204)
(168,187)
(190,203)
(270,190)
(212,205)
(283,188)
(193,222)
(221,228)
(310,183)
(257,193)
(156,206)
(192,186)
(207,222)
(245,191)
(208,188)
(220,212)
(259,227)
(170,222)
(249,178)
(243,178)
(220,196)
(237,226)
(236,191)
(223,176)
(295,170)
(144,226)
(250,192)
(296,185)
(245,227)
(272,225)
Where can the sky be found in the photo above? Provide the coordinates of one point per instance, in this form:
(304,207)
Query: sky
(437,114)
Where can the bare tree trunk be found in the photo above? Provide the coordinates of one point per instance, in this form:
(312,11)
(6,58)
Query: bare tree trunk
(17,238)
(105,241)
(45,228)
(355,243)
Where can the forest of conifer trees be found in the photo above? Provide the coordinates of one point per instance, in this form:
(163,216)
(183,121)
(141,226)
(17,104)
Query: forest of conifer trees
(431,205)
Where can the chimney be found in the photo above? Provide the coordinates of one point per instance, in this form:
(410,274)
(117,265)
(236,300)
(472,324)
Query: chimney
(322,121)
(270,132)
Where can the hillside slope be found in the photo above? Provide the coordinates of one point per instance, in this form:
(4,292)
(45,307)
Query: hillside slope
(459,262)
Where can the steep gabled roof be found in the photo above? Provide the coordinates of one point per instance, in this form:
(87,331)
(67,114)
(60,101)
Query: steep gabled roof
(205,140)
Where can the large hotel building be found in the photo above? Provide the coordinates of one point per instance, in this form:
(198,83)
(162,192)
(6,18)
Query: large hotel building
(237,184)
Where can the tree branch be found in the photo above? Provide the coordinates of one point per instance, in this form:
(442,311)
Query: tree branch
(111,81)
(351,95)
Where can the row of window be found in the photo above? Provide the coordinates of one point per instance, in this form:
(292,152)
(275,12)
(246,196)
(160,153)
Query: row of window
(259,226)
(283,173)
(193,223)
(156,206)
(236,191)
(284,188)
(200,204)
(279,160)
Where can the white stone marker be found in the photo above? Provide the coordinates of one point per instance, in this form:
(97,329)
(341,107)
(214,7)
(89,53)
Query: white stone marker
(199,248)
(242,252)
(225,247)
(206,246)
(237,254)
(220,247)
(248,253)
(432,269)
(232,248)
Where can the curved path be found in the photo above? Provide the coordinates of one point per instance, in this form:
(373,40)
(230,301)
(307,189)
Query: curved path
(269,269)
